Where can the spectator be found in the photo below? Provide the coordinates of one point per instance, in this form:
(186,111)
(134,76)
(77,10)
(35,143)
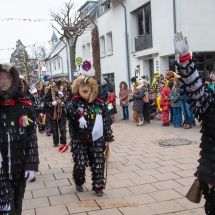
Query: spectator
(175,105)
(210,83)
(187,112)
(104,90)
(123,96)
(146,104)
(111,104)
(138,102)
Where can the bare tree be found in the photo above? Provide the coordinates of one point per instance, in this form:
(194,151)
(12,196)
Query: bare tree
(38,52)
(63,17)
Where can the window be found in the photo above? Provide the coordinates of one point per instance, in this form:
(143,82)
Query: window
(109,44)
(104,5)
(88,55)
(58,63)
(102,47)
(83,53)
(172,63)
(54,65)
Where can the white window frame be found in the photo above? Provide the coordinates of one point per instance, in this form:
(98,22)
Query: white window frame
(102,46)
(109,38)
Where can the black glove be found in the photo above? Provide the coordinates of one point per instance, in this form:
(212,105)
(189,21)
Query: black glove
(130,100)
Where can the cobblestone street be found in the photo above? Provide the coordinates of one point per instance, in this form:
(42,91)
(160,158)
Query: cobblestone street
(144,178)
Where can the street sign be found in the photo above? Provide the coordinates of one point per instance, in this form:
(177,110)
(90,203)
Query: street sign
(86,66)
(78,60)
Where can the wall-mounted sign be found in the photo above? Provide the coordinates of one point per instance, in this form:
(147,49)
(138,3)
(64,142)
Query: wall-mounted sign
(78,60)
(86,66)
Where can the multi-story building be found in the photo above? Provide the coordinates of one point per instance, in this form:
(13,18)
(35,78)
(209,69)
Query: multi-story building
(147,39)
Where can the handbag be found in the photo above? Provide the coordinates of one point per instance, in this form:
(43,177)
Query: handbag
(146,98)
(195,192)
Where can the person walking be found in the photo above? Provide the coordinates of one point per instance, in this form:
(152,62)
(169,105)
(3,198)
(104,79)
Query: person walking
(123,96)
(175,104)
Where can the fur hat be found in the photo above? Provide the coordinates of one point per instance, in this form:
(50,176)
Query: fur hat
(10,93)
(86,79)
(24,86)
(169,73)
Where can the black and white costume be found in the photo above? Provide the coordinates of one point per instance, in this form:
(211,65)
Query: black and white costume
(18,145)
(82,115)
(203,100)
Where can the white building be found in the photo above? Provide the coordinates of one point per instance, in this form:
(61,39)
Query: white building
(57,60)
(150,30)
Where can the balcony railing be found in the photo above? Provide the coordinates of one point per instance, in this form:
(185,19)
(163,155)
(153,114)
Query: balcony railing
(143,42)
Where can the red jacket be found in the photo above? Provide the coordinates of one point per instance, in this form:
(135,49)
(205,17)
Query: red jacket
(111,99)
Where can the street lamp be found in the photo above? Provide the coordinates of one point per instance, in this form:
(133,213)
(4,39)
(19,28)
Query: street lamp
(71,43)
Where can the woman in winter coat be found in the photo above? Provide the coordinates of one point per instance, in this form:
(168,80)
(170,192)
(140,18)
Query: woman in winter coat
(123,96)
(138,102)
(175,104)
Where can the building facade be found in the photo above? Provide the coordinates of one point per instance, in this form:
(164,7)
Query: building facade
(149,42)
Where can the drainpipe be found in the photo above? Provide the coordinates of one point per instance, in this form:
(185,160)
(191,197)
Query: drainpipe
(127,51)
(66,60)
(174,24)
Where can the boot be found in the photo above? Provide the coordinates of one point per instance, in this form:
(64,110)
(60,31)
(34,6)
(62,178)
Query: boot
(140,122)
(99,192)
(79,188)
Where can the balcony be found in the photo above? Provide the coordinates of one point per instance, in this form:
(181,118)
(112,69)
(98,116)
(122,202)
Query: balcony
(143,42)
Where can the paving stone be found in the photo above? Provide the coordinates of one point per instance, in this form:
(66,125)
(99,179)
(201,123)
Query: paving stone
(182,190)
(121,192)
(166,176)
(56,183)
(198,211)
(186,181)
(42,178)
(78,207)
(63,199)
(168,169)
(187,166)
(184,202)
(58,209)
(140,209)
(140,199)
(68,189)
(165,207)
(147,172)
(35,203)
(144,180)
(165,185)
(28,195)
(121,183)
(51,171)
(52,166)
(28,212)
(167,163)
(34,185)
(105,212)
(122,176)
(45,192)
(129,168)
(140,189)
(165,195)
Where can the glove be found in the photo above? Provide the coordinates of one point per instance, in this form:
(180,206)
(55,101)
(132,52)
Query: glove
(60,94)
(41,114)
(62,104)
(82,123)
(29,175)
(181,44)
(54,103)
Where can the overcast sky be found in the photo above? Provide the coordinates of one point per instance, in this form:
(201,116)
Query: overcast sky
(28,32)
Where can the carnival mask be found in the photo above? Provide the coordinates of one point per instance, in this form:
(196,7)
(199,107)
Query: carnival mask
(85,91)
(5,81)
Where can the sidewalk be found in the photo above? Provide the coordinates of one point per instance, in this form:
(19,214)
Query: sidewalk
(143,177)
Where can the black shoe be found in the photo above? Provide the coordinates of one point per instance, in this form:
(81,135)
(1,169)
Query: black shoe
(164,125)
(127,119)
(194,123)
(79,188)
(55,145)
(123,119)
(33,179)
(99,194)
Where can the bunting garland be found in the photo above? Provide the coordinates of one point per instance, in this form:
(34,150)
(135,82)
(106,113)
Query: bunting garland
(28,20)
(26,46)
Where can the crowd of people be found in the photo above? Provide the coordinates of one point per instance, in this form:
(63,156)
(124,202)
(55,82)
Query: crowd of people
(164,99)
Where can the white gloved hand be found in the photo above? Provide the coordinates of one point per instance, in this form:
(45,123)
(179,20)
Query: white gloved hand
(181,44)
(29,175)
(82,123)
(54,103)
(41,114)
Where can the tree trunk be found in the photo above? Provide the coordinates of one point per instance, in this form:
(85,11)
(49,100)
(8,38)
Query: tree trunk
(96,53)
